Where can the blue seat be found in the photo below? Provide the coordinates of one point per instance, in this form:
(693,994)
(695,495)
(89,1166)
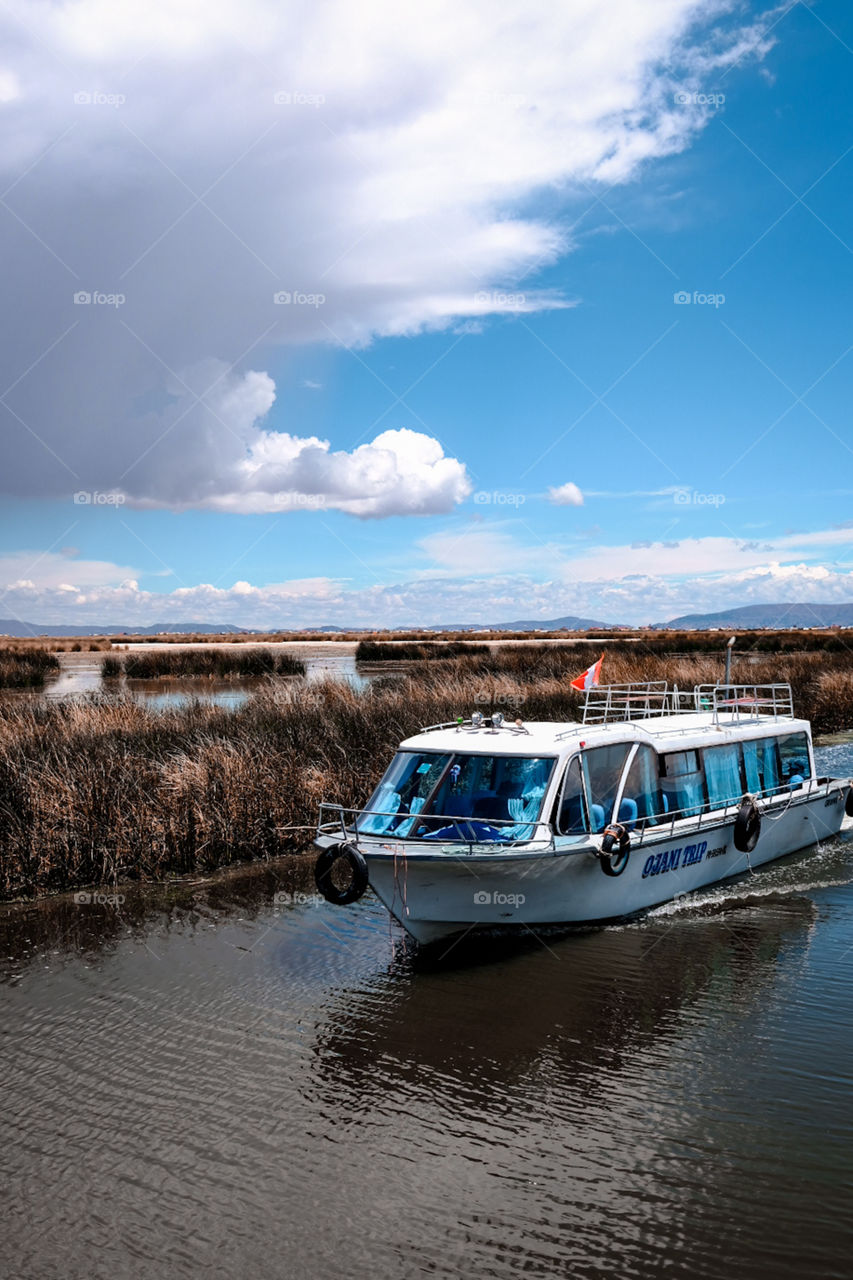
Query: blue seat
(628,813)
(491,807)
(571,815)
(597,817)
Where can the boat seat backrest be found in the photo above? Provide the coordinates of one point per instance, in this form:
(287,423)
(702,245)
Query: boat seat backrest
(491,806)
(628,811)
(571,816)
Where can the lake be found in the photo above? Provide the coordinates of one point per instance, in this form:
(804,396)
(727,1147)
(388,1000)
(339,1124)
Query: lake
(80,674)
(233,1078)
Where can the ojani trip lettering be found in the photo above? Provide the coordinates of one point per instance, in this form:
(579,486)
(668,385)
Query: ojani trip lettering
(672,859)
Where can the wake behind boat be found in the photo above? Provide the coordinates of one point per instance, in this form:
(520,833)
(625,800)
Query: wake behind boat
(481,822)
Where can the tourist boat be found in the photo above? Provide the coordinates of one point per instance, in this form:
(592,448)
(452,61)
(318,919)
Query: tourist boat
(486,822)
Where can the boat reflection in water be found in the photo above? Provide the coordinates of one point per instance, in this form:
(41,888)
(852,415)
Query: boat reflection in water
(504,1009)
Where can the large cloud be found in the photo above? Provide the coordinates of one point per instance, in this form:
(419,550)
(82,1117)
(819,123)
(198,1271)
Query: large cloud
(372,161)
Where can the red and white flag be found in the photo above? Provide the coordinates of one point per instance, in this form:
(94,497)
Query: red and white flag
(590,677)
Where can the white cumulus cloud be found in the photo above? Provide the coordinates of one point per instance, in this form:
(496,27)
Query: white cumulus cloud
(474,574)
(232,461)
(566,495)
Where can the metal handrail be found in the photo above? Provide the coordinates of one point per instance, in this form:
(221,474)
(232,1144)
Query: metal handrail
(459,822)
(644,829)
(749,701)
(704,816)
(618,703)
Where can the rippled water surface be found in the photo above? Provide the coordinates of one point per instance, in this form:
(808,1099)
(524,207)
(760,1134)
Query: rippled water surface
(230,1078)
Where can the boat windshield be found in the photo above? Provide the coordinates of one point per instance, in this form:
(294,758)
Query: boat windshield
(457,796)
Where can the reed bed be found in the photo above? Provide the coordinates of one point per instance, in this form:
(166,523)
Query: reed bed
(26,668)
(377,651)
(220,664)
(98,790)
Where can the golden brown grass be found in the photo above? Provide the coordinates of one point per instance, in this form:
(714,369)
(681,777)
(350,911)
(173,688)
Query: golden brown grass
(25,668)
(98,790)
(222,664)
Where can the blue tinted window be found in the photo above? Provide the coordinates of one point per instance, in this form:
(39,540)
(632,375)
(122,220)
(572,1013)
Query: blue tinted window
(794,765)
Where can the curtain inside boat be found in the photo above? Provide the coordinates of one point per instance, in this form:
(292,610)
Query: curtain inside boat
(723,775)
(761,766)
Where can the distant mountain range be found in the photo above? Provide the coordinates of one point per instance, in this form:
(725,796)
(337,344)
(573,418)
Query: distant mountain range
(768,617)
(12,627)
(527,624)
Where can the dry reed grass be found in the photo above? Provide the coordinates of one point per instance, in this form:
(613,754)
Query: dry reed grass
(25,668)
(99,790)
(220,664)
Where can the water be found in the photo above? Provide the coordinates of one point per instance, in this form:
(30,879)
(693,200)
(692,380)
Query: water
(80,674)
(231,1078)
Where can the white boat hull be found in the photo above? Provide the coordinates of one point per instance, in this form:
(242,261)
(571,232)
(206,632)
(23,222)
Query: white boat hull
(436,894)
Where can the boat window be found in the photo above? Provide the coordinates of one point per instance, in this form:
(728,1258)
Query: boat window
(407,785)
(602,768)
(500,795)
(723,774)
(682,783)
(794,766)
(572,815)
(641,802)
(761,766)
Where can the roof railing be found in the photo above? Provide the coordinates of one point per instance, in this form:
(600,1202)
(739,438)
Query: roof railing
(612,703)
(617,703)
(746,701)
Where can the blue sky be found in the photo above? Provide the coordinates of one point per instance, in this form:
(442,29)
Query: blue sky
(567,437)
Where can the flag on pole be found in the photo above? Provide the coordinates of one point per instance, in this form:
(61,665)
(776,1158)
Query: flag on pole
(590,677)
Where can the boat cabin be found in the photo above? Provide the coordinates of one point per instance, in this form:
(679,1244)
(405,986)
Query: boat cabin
(644,756)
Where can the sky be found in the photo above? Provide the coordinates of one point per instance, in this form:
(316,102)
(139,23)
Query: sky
(398,314)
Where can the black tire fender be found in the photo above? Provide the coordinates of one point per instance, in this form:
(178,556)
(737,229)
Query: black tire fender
(747,825)
(358,874)
(848,803)
(615,849)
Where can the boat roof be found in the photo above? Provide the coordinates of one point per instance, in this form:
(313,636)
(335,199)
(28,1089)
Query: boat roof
(681,732)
